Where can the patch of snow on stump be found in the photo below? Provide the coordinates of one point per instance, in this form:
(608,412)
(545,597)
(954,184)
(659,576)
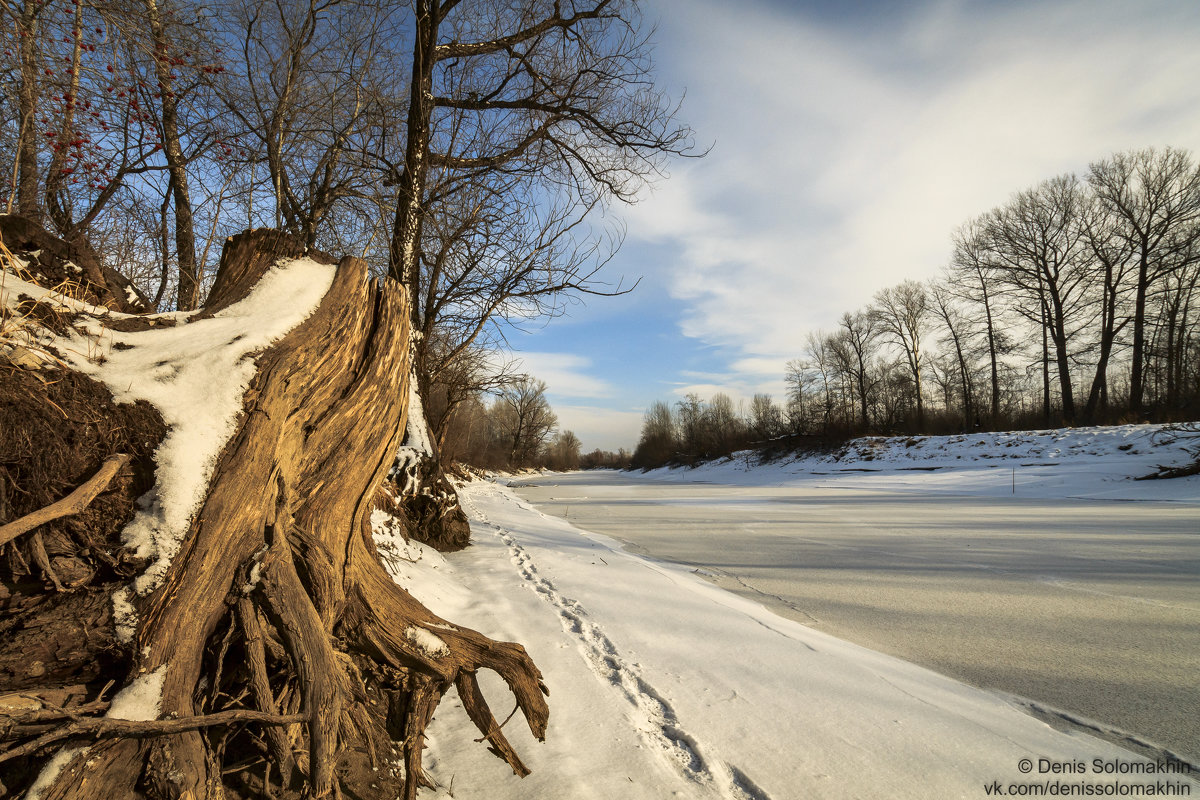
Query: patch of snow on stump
(140,700)
(427,642)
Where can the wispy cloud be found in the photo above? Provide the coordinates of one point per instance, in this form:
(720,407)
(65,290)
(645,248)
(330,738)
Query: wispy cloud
(843,160)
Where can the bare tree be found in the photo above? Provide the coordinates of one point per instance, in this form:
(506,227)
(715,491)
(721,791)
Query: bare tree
(690,420)
(469,374)
(766,418)
(854,347)
(976,270)
(521,119)
(167,39)
(1114,256)
(563,451)
(722,424)
(942,303)
(525,420)
(26,19)
(802,379)
(494,254)
(306,93)
(1175,335)
(539,111)
(902,314)
(1156,194)
(658,442)
(1039,243)
(567,85)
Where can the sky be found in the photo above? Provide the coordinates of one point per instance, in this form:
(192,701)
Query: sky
(848,141)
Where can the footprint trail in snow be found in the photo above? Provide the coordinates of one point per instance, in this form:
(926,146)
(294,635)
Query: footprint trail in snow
(655,718)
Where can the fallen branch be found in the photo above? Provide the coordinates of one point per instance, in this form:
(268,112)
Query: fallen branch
(101,727)
(73,503)
(1163,473)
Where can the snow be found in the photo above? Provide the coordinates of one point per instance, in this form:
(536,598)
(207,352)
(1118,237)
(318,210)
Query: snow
(416,443)
(663,685)
(1089,462)
(12,287)
(418,429)
(141,699)
(125,615)
(195,374)
(51,771)
(427,642)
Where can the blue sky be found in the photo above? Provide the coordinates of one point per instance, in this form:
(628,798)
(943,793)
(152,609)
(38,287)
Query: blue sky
(849,141)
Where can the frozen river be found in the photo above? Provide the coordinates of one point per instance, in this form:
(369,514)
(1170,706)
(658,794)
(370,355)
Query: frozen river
(1088,606)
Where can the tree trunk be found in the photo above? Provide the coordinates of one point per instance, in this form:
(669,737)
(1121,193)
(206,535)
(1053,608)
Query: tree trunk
(427,498)
(29,178)
(1136,374)
(1108,336)
(73,260)
(994,359)
(1045,362)
(185,237)
(277,611)
(58,205)
(1059,336)
(410,205)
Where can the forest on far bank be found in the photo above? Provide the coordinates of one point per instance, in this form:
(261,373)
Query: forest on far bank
(1073,303)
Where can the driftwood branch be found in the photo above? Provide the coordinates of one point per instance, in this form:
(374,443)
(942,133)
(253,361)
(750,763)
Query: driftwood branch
(73,503)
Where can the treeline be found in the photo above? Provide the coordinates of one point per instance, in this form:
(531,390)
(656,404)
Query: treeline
(1075,302)
(513,428)
(697,429)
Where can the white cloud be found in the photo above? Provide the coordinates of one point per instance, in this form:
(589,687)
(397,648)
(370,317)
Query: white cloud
(564,373)
(843,161)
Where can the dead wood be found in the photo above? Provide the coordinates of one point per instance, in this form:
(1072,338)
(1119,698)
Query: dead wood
(277,607)
(1166,473)
(73,503)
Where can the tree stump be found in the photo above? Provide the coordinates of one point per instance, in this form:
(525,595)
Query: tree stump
(290,663)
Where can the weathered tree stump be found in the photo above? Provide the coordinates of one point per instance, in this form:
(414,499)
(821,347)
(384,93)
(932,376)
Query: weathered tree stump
(290,662)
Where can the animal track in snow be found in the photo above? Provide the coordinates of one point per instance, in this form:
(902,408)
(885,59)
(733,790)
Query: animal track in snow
(656,720)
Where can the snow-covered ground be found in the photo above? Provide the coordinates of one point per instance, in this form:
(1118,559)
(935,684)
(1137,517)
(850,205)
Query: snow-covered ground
(1095,462)
(664,685)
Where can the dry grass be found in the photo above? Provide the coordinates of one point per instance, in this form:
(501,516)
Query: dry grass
(27,325)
